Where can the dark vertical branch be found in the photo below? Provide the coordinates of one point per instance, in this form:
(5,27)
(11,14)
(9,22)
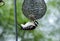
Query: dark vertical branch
(15,19)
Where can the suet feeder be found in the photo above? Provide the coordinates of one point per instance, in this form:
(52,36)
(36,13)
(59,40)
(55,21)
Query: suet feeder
(34,9)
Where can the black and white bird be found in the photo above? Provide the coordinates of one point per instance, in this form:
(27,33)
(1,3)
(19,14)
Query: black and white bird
(33,10)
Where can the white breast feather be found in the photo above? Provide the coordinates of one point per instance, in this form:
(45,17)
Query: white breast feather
(28,24)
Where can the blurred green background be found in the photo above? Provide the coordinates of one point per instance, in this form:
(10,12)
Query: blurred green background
(47,30)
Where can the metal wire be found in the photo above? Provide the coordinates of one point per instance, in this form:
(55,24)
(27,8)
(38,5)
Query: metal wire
(15,20)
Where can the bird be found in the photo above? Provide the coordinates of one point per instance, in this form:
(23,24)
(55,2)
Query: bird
(33,10)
